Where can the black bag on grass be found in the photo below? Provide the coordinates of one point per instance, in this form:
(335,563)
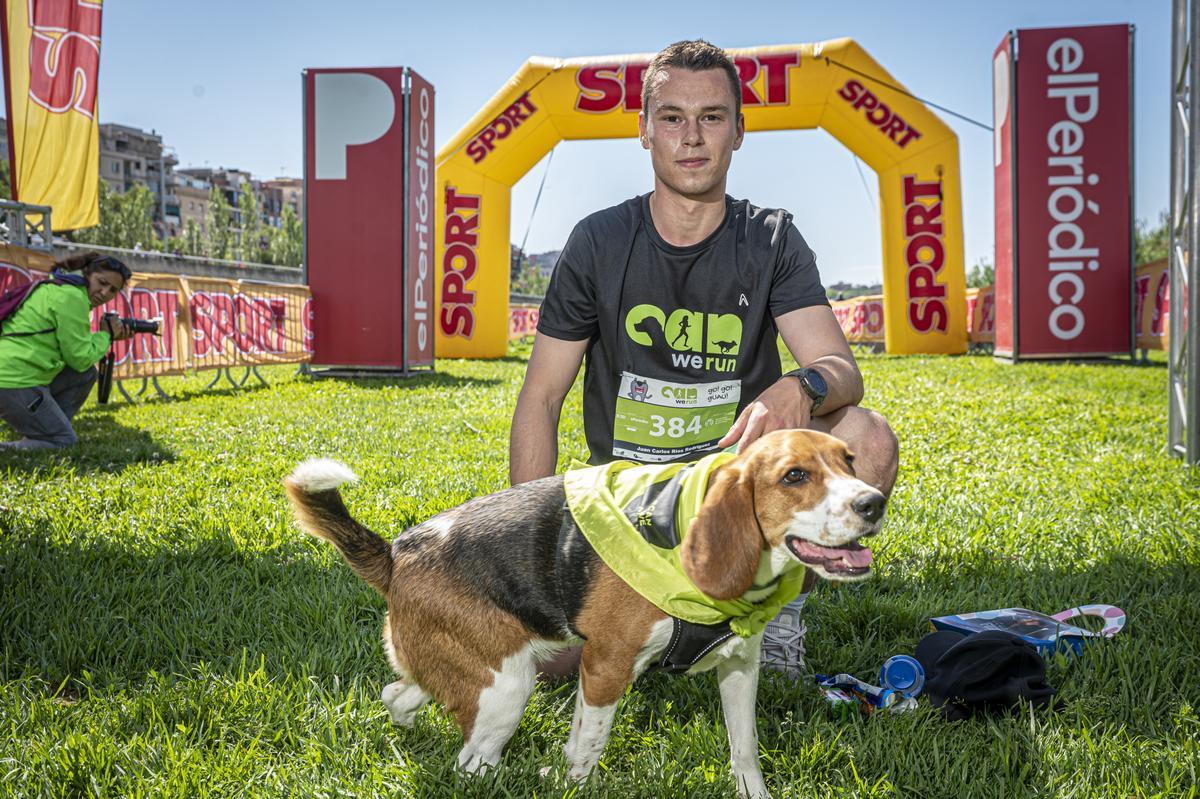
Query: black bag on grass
(988,671)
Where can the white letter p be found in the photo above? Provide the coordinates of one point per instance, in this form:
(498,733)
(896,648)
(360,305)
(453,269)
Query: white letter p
(352,108)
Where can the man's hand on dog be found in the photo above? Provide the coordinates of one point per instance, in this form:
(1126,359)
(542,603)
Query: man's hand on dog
(783,406)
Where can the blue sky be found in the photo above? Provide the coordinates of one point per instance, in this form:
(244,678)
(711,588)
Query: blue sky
(220,81)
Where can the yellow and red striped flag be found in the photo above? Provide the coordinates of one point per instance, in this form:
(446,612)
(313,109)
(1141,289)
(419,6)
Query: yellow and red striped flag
(51,67)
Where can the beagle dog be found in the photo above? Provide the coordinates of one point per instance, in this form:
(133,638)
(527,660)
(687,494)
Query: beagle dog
(478,595)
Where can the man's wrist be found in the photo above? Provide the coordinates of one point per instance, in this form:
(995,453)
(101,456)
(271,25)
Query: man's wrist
(801,394)
(812,385)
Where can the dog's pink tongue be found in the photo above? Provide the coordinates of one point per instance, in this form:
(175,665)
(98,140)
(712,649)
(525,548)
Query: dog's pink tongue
(858,558)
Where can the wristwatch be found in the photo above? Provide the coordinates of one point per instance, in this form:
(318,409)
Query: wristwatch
(813,384)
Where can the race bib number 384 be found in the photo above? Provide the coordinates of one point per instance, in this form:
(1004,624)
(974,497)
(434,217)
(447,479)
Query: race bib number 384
(659,420)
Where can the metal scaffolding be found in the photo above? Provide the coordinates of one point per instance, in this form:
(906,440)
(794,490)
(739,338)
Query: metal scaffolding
(1183,415)
(25,225)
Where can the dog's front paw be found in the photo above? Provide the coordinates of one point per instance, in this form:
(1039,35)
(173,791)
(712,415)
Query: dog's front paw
(556,774)
(579,773)
(402,718)
(760,792)
(755,794)
(751,786)
(403,700)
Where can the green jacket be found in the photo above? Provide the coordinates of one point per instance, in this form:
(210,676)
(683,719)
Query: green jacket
(28,361)
(603,498)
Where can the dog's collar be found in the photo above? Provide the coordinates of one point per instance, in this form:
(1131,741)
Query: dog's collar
(646,555)
(655,512)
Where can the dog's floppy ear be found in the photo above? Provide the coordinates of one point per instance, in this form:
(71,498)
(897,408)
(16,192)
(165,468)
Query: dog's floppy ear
(721,551)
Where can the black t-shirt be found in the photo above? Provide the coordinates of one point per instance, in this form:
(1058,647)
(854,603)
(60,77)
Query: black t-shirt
(681,339)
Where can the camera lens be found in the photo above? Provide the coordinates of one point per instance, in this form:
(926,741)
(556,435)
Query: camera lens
(141,325)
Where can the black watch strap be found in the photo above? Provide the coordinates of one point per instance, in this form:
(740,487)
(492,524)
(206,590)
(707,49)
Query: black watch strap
(813,383)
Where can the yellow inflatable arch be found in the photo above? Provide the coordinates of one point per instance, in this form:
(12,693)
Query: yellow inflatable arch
(834,85)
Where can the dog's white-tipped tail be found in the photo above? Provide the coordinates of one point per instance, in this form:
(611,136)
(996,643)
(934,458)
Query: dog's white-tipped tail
(321,474)
(312,489)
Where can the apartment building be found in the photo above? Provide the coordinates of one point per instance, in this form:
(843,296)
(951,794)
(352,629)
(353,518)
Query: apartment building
(230,182)
(193,194)
(277,193)
(129,156)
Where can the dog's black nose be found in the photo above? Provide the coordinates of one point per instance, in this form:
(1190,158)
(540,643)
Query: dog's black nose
(869,506)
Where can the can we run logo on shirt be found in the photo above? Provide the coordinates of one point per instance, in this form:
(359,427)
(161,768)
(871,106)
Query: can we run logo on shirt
(700,340)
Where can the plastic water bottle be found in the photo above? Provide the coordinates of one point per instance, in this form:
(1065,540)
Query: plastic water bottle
(902,674)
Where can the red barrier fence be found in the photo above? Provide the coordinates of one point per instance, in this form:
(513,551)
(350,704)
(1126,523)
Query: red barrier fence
(522,320)
(1151,293)
(981,315)
(204,323)
(861,318)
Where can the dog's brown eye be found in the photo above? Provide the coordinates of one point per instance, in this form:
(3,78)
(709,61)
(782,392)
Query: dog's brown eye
(795,476)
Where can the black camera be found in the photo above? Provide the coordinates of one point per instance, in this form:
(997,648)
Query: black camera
(136,325)
(105,367)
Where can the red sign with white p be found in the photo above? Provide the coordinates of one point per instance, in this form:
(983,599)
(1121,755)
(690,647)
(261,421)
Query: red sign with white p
(1064,266)
(369,203)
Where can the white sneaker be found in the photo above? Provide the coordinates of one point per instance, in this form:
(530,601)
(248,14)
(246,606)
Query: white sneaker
(783,640)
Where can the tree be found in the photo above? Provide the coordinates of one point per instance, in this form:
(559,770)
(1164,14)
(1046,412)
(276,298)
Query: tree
(136,218)
(5,180)
(192,241)
(188,242)
(981,275)
(251,229)
(287,240)
(103,233)
(220,238)
(1151,244)
(125,220)
(530,281)
(525,277)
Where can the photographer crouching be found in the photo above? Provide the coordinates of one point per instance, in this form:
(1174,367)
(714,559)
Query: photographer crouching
(48,352)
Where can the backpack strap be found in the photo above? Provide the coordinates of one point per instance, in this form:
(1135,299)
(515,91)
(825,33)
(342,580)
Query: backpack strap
(67,279)
(57,279)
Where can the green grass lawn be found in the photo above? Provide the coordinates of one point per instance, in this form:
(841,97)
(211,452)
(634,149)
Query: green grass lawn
(165,629)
